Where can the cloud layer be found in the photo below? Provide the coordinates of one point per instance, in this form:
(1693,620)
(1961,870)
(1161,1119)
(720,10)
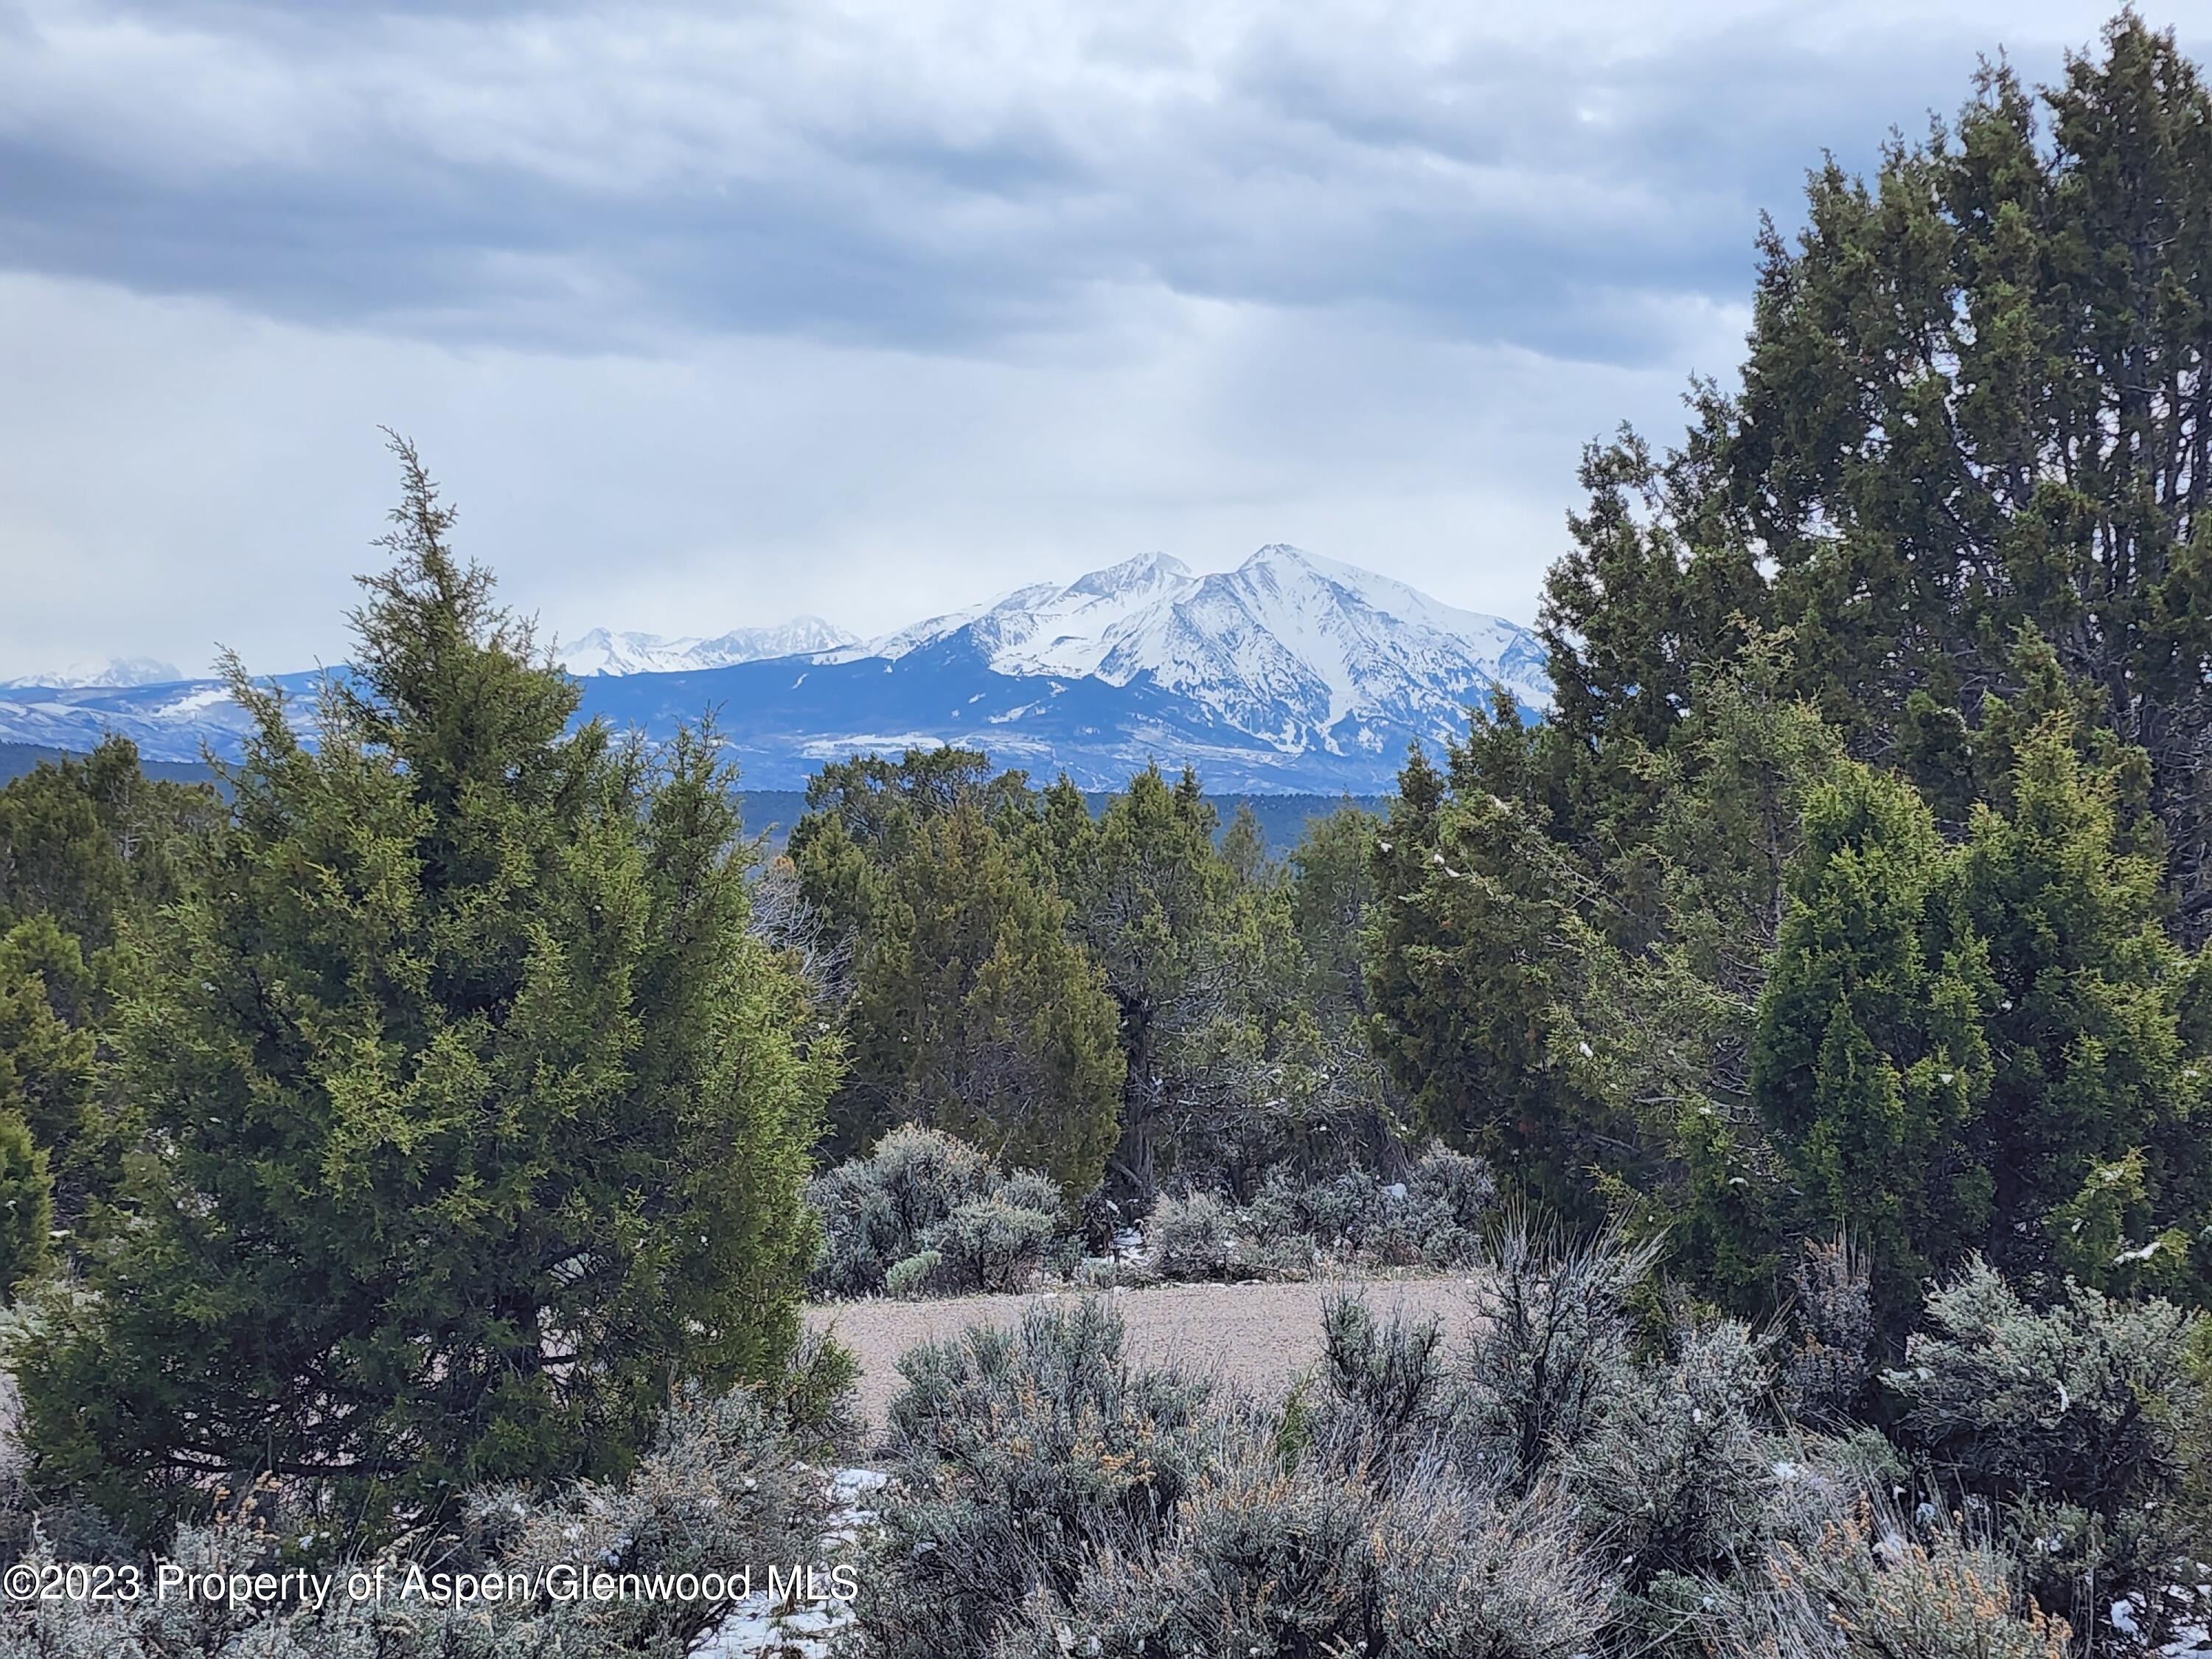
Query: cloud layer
(707,313)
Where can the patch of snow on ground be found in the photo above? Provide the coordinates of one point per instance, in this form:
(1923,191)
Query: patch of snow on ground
(759,1628)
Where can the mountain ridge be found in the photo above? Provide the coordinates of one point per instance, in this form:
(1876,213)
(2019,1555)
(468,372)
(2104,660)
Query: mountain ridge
(108,671)
(605,652)
(1291,674)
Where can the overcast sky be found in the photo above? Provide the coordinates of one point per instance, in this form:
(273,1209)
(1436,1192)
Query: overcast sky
(710,313)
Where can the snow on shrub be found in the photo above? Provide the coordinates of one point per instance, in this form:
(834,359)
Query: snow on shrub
(1435,1217)
(1549,1346)
(2070,1417)
(1873,1586)
(721,1486)
(1191,1237)
(1316,1555)
(1680,1472)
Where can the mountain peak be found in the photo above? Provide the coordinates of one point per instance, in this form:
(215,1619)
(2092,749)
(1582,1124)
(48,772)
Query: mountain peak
(1292,671)
(1145,570)
(1286,648)
(110,671)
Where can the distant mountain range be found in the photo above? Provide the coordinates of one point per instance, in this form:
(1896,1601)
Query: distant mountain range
(601,652)
(1290,673)
(115,671)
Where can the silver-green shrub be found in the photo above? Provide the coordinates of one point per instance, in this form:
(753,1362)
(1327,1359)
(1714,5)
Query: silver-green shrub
(1825,1376)
(1436,1218)
(914,1276)
(1019,1451)
(1191,1237)
(921,1191)
(1679,1474)
(1549,1343)
(1388,1381)
(720,1489)
(1873,1586)
(2069,1417)
(1321,1554)
(991,1244)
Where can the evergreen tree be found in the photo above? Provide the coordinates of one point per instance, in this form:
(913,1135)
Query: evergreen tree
(1332,887)
(479,1119)
(1248,1058)
(26,1207)
(1869,1064)
(974,1011)
(1675,992)
(1977,396)
(1479,961)
(90,842)
(1655,583)
(2092,1087)
(1152,902)
(2015,432)
(89,850)
(49,1079)
(1244,848)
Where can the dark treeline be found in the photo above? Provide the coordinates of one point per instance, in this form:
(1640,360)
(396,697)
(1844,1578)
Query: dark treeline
(1282,819)
(17,758)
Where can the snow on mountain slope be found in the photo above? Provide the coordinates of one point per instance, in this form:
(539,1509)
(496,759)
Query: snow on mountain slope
(1043,628)
(112,670)
(601,651)
(1289,673)
(1290,647)
(1287,647)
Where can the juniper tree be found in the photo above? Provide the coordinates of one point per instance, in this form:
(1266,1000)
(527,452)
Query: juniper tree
(1480,962)
(1151,897)
(976,1013)
(476,1118)
(973,1009)
(26,1207)
(89,850)
(49,1079)
(1977,395)
(2092,1084)
(1869,1063)
(90,842)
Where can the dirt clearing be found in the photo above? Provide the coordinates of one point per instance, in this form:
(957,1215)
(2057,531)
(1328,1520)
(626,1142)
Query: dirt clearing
(1258,1335)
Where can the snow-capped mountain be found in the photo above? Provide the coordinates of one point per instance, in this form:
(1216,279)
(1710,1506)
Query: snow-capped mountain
(601,652)
(108,671)
(1289,673)
(1046,629)
(1296,651)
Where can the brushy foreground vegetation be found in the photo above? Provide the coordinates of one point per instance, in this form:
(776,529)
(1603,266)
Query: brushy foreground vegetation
(419,1152)
(1591,1468)
(1577,1478)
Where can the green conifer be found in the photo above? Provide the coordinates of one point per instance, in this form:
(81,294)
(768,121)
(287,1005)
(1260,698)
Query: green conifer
(477,1117)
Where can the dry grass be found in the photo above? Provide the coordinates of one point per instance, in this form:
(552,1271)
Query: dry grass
(1257,1335)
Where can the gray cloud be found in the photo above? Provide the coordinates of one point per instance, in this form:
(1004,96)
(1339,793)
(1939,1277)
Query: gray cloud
(710,314)
(580,178)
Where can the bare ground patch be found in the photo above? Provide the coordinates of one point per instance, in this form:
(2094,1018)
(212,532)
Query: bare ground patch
(1257,1335)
